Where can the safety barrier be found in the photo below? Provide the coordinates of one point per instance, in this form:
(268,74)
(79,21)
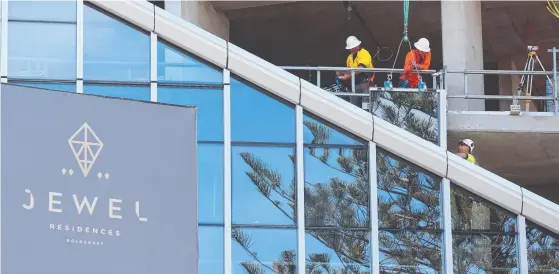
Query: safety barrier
(438,87)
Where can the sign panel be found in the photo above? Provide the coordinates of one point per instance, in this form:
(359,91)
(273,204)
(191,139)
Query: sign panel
(96,185)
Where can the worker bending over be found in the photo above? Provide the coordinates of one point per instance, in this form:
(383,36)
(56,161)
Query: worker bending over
(465,149)
(358,58)
(417,59)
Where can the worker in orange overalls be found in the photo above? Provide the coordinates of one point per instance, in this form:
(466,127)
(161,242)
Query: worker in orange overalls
(417,59)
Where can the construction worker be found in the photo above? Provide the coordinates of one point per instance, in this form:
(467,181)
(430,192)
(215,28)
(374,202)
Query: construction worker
(465,149)
(417,59)
(358,58)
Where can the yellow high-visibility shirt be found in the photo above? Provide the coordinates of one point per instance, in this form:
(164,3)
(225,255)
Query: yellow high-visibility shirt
(362,57)
(470,158)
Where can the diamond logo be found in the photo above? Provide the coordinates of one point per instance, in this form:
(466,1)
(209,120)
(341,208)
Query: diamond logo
(86,147)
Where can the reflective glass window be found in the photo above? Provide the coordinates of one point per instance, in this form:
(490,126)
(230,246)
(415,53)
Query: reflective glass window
(414,112)
(114,51)
(319,133)
(337,187)
(52,86)
(210,108)
(210,244)
(337,251)
(257,117)
(52,11)
(129,92)
(263,185)
(264,251)
(410,251)
(175,66)
(210,183)
(484,235)
(42,40)
(408,196)
(543,249)
(410,235)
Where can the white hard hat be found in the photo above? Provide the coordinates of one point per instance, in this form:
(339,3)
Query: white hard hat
(469,143)
(352,42)
(422,45)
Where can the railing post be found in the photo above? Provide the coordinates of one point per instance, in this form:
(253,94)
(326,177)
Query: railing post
(555,101)
(353,81)
(300,186)
(227,258)
(522,245)
(447,227)
(375,252)
(442,113)
(318,78)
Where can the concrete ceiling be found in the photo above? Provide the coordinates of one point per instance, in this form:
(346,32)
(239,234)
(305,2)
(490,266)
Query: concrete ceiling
(314,33)
(527,159)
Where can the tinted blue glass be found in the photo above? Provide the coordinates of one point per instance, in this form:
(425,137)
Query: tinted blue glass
(316,132)
(210,183)
(543,249)
(410,252)
(331,247)
(210,108)
(408,196)
(484,235)
(210,244)
(175,66)
(414,112)
(263,251)
(337,183)
(42,50)
(128,92)
(62,87)
(263,186)
(114,51)
(256,117)
(57,11)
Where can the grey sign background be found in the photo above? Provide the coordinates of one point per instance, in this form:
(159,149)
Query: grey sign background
(150,153)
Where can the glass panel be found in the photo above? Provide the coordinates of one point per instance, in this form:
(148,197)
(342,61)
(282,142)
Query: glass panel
(42,50)
(129,92)
(410,251)
(210,108)
(472,213)
(53,86)
(256,117)
(175,66)
(210,183)
(408,196)
(414,112)
(337,251)
(319,134)
(210,242)
(54,11)
(484,253)
(263,185)
(484,235)
(543,250)
(114,51)
(336,187)
(263,251)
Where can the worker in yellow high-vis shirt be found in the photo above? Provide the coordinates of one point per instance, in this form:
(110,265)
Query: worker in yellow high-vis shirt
(358,57)
(465,149)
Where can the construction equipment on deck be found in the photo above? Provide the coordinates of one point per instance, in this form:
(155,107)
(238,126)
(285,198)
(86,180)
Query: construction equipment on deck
(526,82)
(388,86)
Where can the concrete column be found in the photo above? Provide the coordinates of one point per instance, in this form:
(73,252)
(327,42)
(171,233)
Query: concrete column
(201,14)
(463,49)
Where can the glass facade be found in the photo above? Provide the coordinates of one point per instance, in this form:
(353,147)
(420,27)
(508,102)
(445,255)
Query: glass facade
(122,61)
